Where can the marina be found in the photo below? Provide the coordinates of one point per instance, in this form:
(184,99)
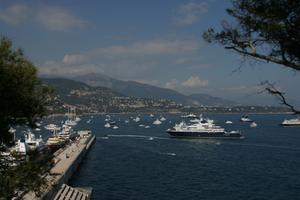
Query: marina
(150,100)
(66,162)
(136,163)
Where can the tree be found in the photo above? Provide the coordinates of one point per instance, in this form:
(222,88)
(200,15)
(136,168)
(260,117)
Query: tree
(22,100)
(22,96)
(266,30)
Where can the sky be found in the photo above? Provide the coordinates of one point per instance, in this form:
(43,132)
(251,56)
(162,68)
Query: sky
(158,42)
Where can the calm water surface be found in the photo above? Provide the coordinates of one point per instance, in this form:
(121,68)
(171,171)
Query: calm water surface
(129,164)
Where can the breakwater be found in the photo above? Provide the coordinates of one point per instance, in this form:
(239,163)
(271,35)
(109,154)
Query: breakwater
(66,161)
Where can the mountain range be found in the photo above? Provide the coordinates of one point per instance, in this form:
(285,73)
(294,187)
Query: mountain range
(141,90)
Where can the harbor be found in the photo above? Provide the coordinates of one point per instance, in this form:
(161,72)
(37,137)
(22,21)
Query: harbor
(66,161)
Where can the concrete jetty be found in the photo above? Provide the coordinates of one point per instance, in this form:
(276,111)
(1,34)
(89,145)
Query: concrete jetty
(68,192)
(66,161)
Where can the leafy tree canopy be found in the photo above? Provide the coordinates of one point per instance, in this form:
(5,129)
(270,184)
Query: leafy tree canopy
(268,30)
(22,96)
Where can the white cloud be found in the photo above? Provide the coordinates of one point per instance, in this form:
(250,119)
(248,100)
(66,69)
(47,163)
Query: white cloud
(61,69)
(15,14)
(73,59)
(149,82)
(172,84)
(194,82)
(153,47)
(58,19)
(127,61)
(52,18)
(190,13)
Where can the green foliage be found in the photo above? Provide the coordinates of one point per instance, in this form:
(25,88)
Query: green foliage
(26,176)
(22,96)
(267,30)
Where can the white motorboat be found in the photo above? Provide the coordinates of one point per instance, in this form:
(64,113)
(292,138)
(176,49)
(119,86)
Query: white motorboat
(70,122)
(245,118)
(137,119)
(157,122)
(253,125)
(115,127)
(291,122)
(228,122)
(51,127)
(191,115)
(107,125)
(162,119)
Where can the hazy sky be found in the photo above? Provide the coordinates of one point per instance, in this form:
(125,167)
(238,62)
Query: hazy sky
(151,41)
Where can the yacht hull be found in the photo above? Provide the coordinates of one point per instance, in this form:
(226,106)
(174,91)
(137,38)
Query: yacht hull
(183,134)
(290,124)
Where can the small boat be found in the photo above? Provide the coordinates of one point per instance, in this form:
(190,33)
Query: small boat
(141,125)
(157,122)
(70,122)
(253,125)
(107,125)
(51,127)
(137,119)
(189,116)
(245,118)
(115,127)
(77,119)
(151,115)
(147,126)
(162,119)
(228,122)
(151,138)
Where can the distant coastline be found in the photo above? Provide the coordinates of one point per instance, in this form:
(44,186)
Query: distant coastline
(127,113)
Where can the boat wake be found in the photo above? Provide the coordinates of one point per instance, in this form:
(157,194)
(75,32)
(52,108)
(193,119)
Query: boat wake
(140,136)
(103,138)
(168,154)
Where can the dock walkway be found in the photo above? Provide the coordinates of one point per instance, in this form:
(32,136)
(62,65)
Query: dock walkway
(66,162)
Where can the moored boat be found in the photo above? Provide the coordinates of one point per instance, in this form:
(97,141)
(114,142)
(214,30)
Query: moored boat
(157,122)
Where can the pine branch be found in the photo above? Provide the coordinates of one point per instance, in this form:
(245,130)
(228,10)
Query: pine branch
(270,88)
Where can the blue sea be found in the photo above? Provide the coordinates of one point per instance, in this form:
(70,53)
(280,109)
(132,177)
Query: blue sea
(136,163)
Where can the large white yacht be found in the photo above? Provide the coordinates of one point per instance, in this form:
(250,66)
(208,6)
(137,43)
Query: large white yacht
(291,122)
(201,129)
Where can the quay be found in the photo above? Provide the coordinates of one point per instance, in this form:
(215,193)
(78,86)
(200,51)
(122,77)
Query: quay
(66,162)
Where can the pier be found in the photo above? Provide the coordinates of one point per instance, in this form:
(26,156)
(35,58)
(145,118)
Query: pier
(66,162)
